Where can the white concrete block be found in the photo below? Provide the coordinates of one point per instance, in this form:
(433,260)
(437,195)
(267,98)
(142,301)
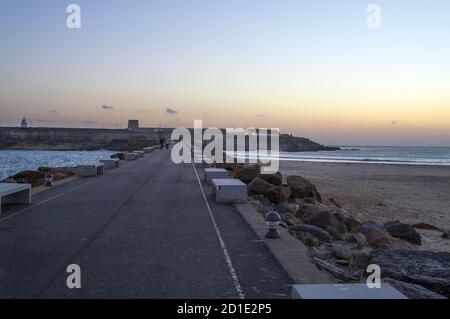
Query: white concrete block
(149,149)
(93,170)
(130,157)
(12,193)
(215,173)
(111,163)
(229,191)
(139,154)
(345,291)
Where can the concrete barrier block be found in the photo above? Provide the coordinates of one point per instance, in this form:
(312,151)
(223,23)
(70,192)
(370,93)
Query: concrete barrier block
(93,170)
(131,156)
(215,173)
(11,193)
(111,163)
(229,191)
(139,154)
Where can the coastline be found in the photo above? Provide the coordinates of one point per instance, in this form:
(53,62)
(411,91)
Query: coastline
(369,161)
(381,192)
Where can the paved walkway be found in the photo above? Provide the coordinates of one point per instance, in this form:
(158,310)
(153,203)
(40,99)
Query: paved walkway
(142,231)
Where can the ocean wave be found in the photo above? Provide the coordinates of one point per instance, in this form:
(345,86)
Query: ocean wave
(436,156)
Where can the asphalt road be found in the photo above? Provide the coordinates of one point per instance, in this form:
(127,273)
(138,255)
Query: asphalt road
(141,231)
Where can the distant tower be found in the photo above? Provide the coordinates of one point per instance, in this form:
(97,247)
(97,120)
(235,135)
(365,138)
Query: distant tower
(133,125)
(24,123)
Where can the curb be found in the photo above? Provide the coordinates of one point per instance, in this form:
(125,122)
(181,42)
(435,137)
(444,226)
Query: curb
(292,254)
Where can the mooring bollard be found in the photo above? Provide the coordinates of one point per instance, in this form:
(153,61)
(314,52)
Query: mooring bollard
(273,220)
(49,179)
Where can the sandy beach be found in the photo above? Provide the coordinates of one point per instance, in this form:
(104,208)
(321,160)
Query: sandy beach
(381,192)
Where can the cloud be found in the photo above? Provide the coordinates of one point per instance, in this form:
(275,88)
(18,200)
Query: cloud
(171,111)
(107,107)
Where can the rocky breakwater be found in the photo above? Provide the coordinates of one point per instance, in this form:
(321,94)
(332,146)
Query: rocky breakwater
(290,143)
(37,178)
(65,139)
(344,246)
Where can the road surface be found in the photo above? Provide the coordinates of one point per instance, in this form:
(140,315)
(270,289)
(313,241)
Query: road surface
(141,231)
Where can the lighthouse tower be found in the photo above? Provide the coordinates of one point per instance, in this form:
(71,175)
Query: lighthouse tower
(24,123)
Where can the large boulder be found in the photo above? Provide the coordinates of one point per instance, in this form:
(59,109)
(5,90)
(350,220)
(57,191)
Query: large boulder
(34,178)
(336,271)
(228,165)
(259,186)
(58,173)
(319,233)
(326,220)
(63,172)
(44,169)
(286,192)
(247,173)
(403,231)
(278,194)
(309,240)
(283,208)
(426,226)
(306,210)
(375,235)
(425,268)
(360,240)
(9,180)
(290,219)
(358,261)
(302,188)
(341,251)
(275,194)
(274,179)
(413,291)
(351,223)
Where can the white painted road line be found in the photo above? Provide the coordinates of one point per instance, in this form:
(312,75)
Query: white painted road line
(233,273)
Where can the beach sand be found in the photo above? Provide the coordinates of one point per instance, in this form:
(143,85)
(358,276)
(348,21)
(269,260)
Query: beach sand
(381,192)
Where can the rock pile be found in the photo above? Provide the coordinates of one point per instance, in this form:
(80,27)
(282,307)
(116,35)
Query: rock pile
(36,178)
(340,243)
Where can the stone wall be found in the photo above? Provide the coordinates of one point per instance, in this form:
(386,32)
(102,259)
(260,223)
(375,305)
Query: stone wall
(78,139)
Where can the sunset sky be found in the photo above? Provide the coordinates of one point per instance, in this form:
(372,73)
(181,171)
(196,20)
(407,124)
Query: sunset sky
(311,68)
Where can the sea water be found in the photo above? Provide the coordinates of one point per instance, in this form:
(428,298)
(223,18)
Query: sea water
(14,161)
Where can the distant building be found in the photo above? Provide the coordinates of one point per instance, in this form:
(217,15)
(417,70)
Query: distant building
(133,125)
(24,123)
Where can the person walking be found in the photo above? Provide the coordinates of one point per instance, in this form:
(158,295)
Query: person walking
(161,143)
